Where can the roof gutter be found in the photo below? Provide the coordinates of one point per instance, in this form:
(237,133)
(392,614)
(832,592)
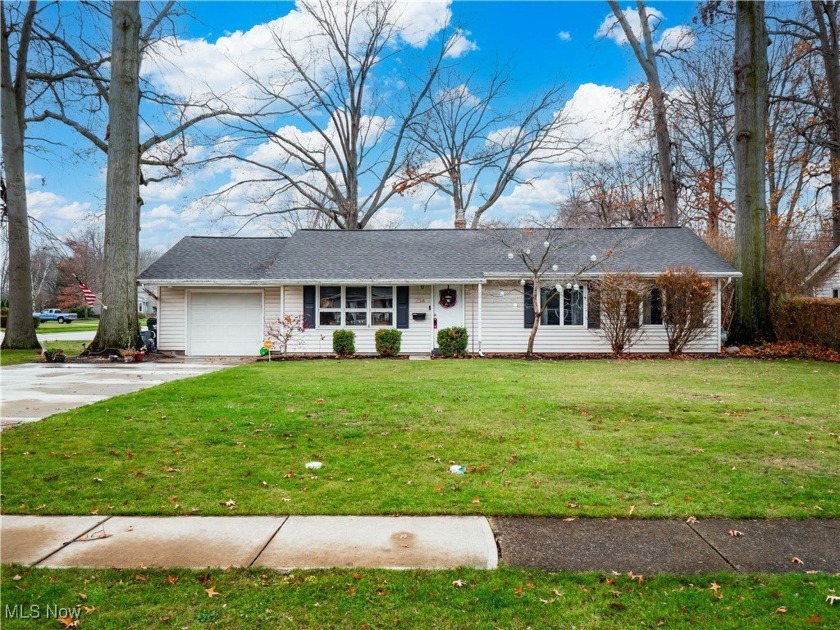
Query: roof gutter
(301,282)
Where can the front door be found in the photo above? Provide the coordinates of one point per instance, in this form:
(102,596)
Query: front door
(447,307)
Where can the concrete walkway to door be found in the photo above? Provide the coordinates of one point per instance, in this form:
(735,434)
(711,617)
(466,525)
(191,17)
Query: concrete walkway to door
(33,391)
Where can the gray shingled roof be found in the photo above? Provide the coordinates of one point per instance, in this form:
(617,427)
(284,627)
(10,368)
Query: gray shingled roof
(423,255)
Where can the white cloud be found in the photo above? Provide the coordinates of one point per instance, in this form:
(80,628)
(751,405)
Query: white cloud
(676,38)
(611,28)
(162,211)
(200,68)
(564,36)
(671,40)
(52,208)
(460,44)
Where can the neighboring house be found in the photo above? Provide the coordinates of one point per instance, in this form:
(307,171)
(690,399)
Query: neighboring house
(216,293)
(824,280)
(146,302)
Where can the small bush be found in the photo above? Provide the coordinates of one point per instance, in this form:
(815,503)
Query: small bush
(344,342)
(810,320)
(687,302)
(452,342)
(36,321)
(388,342)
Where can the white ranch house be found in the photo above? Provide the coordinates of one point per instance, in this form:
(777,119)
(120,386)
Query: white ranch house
(217,293)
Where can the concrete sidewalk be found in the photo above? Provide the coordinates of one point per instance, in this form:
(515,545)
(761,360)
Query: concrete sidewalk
(426,542)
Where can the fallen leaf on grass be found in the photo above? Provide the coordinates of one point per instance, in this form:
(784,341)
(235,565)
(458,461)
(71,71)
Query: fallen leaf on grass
(211,592)
(715,587)
(83,597)
(458,583)
(68,621)
(832,598)
(172,579)
(89,609)
(781,610)
(476,500)
(637,578)
(229,504)
(632,509)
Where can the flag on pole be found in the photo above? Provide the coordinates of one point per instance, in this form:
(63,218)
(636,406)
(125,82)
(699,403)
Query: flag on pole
(90,296)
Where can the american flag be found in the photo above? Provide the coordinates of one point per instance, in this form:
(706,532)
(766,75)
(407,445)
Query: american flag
(90,296)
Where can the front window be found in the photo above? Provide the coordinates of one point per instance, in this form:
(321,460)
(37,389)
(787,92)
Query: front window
(652,308)
(330,306)
(573,307)
(355,303)
(382,306)
(356,306)
(551,300)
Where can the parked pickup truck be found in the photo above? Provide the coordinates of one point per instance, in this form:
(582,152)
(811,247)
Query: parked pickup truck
(55,315)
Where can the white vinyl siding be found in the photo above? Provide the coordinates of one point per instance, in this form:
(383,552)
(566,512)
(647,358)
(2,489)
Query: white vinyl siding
(502,324)
(504,330)
(415,339)
(832,281)
(171,319)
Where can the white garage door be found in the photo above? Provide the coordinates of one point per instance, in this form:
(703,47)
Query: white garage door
(225,324)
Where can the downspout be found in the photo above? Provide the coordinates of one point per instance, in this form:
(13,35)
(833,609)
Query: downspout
(480,353)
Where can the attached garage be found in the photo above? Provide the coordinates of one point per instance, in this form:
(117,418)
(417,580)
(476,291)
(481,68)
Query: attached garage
(228,323)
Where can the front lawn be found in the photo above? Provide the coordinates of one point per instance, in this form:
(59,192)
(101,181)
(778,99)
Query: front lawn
(16,357)
(79,325)
(442,599)
(733,438)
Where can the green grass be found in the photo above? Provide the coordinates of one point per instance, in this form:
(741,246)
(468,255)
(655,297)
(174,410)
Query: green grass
(729,438)
(377,599)
(16,357)
(79,325)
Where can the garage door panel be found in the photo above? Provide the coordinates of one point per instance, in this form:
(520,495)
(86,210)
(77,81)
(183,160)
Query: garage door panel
(225,323)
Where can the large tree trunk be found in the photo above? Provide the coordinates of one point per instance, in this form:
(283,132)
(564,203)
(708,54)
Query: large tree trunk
(119,326)
(20,330)
(751,100)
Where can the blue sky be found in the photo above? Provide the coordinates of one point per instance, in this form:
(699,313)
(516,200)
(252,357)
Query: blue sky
(65,189)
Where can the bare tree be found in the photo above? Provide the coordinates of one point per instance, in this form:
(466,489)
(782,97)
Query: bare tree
(646,55)
(470,147)
(20,329)
(79,89)
(539,249)
(751,98)
(702,119)
(323,167)
(818,30)
(617,298)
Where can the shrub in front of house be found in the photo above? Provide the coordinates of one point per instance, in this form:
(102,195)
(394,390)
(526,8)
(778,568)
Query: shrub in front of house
(388,342)
(452,342)
(810,320)
(344,342)
(687,306)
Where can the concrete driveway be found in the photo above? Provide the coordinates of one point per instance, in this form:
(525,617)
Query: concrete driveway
(33,391)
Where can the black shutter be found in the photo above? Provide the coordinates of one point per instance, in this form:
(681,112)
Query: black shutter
(402,307)
(528,306)
(309,306)
(593,307)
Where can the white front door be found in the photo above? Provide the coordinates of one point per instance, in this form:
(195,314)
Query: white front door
(447,316)
(225,323)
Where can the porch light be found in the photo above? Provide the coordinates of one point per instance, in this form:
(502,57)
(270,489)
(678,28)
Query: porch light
(554,267)
(593,258)
(568,285)
(577,286)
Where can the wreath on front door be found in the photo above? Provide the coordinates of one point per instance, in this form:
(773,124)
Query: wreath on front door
(448,297)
